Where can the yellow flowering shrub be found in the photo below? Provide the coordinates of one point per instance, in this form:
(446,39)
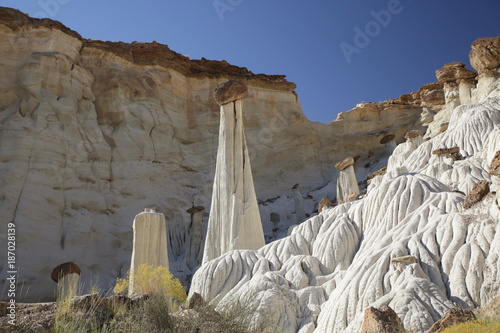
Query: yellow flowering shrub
(475,326)
(153,280)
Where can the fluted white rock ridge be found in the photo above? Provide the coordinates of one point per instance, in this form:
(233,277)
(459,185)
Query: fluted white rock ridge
(408,244)
(402,151)
(234,221)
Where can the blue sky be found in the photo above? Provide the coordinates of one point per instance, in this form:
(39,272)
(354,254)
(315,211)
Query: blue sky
(315,43)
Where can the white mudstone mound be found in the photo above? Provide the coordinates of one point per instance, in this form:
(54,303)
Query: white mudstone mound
(408,244)
(402,152)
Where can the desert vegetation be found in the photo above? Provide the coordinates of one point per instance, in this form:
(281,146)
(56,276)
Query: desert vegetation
(160,305)
(476,326)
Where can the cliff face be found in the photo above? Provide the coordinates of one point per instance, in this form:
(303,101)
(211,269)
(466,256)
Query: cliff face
(92,132)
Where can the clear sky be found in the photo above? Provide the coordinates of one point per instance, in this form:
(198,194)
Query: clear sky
(338,52)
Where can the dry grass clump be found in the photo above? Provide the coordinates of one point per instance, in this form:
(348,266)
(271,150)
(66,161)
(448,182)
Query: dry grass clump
(158,307)
(475,326)
(150,314)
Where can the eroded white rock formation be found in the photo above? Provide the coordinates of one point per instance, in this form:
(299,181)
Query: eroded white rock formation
(67,277)
(402,151)
(194,253)
(347,183)
(408,245)
(234,222)
(150,243)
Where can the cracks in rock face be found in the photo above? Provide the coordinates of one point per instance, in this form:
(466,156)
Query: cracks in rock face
(153,143)
(35,140)
(63,189)
(233,133)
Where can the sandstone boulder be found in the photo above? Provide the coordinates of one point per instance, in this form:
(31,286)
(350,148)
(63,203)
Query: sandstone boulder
(345,163)
(196,301)
(405,260)
(381,320)
(453,153)
(485,54)
(352,197)
(446,151)
(195,209)
(379,172)
(432,94)
(453,72)
(324,203)
(452,317)
(495,165)
(230,91)
(413,134)
(478,192)
(64,269)
(388,138)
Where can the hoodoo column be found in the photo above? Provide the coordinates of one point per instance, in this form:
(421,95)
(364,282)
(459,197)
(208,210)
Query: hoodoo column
(234,221)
